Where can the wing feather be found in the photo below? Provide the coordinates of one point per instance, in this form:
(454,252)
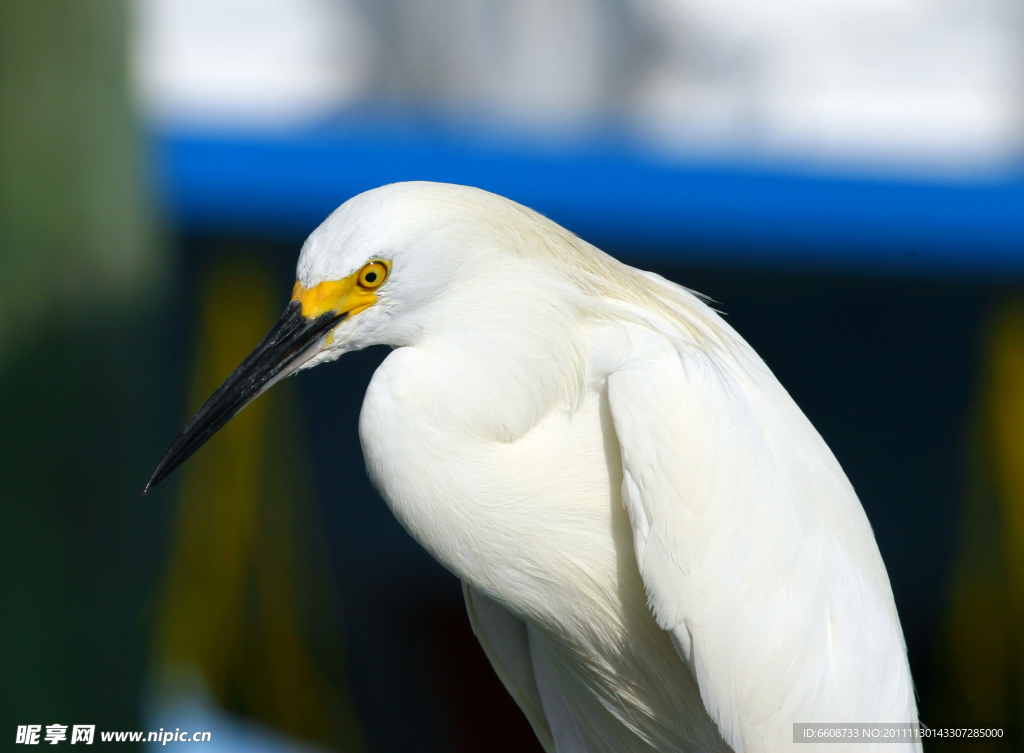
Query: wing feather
(505,641)
(754,548)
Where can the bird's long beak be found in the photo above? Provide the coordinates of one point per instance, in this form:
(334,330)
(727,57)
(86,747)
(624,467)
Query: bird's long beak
(292,341)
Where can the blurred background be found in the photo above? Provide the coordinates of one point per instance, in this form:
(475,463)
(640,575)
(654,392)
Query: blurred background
(844,178)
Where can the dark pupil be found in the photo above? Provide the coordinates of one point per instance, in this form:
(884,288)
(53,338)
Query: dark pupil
(371,277)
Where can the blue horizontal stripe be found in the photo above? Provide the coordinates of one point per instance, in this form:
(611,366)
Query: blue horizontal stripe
(625,200)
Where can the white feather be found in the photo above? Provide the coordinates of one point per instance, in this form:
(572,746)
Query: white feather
(660,552)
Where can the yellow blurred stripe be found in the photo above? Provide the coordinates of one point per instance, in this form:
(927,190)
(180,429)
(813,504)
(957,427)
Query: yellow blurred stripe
(980,659)
(237,602)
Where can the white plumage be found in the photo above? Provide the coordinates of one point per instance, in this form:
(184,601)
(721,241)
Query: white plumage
(659,551)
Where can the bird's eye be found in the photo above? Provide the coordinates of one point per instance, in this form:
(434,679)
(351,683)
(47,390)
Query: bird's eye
(372,275)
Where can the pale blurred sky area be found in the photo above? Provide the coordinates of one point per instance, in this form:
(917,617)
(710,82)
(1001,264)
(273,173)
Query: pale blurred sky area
(920,85)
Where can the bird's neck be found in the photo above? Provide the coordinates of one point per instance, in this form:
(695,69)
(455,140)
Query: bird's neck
(498,376)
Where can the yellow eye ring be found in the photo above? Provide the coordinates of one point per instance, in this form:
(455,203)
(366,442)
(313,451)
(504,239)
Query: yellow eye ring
(372,275)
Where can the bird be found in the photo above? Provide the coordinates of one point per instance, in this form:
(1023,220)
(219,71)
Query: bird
(658,551)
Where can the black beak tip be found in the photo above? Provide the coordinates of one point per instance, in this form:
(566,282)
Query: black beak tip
(273,358)
(157,476)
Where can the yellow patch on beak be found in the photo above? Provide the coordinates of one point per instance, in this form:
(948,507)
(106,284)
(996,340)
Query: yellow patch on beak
(347,296)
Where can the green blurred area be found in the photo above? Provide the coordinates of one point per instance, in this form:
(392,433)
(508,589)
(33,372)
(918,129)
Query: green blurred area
(82,369)
(107,596)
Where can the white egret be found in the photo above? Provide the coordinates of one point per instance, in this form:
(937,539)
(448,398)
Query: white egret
(658,550)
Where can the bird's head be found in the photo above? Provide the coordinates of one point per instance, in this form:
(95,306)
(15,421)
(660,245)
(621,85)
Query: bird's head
(390,266)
